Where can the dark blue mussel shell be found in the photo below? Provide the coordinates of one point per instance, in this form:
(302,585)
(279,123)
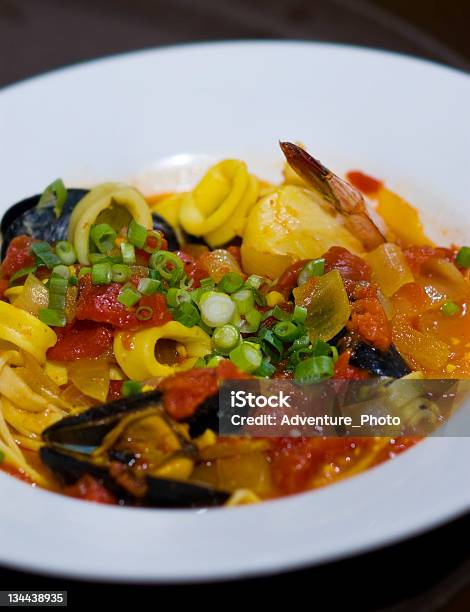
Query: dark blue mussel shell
(41,223)
(388,363)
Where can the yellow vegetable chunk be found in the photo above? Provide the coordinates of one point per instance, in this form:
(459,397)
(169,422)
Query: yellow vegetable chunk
(290,224)
(104,204)
(57,372)
(214,199)
(401,218)
(327,305)
(91,376)
(422,348)
(137,353)
(390,270)
(25,331)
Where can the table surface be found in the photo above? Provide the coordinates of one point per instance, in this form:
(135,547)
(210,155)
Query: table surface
(431,572)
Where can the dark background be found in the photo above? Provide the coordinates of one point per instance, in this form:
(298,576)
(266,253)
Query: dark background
(431,572)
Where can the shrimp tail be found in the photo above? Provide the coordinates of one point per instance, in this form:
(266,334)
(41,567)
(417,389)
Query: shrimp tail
(344,197)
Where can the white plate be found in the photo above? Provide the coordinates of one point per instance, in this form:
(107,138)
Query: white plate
(398,118)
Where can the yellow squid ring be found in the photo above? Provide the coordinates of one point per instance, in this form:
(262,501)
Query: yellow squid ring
(135,352)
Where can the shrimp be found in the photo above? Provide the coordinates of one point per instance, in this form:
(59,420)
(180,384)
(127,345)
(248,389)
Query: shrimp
(347,200)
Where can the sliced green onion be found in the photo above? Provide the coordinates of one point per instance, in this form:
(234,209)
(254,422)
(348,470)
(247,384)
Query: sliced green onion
(99,258)
(168,265)
(84,271)
(120,273)
(280,314)
(270,344)
(148,286)
(207,284)
(23,272)
(131,387)
(61,270)
(187,314)
(450,309)
(225,338)
(216,308)
(53,318)
(153,235)
(144,313)
(314,369)
(65,252)
(247,356)
(254,281)
(101,274)
(301,342)
(128,296)
(463,257)
(128,253)
(214,361)
(323,348)
(73,280)
(57,292)
(252,321)
(175,297)
(286,331)
(103,236)
(266,370)
(54,195)
(299,315)
(299,355)
(44,253)
(136,234)
(316,267)
(244,300)
(231,282)
(199,363)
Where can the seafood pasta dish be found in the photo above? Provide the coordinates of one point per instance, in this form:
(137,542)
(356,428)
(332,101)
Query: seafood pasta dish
(121,314)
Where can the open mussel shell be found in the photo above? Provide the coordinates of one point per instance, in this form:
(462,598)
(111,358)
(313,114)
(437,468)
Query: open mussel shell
(206,416)
(159,492)
(381,363)
(161,225)
(87,429)
(41,223)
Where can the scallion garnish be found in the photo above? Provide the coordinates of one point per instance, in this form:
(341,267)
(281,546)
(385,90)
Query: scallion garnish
(254,281)
(136,234)
(153,241)
(44,254)
(21,273)
(131,387)
(175,297)
(53,318)
(144,313)
(120,273)
(168,265)
(463,257)
(65,252)
(103,236)
(314,369)
(57,292)
(244,300)
(247,356)
(225,338)
(286,331)
(128,253)
(231,282)
(129,296)
(101,274)
(316,267)
(187,314)
(61,270)
(54,195)
(148,286)
(299,315)
(450,309)
(266,369)
(216,308)
(252,321)
(83,271)
(270,344)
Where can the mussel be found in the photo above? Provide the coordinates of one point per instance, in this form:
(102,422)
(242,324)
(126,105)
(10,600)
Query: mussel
(161,225)
(388,363)
(26,217)
(126,445)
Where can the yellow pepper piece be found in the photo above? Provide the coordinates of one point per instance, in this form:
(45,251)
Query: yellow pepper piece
(13,292)
(56,372)
(135,353)
(169,208)
(215,197)
(25,331)
(105,197)
(179,468)
(273,298)
(401,218)
(390,270)
(235,224)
